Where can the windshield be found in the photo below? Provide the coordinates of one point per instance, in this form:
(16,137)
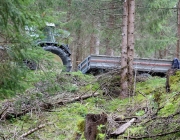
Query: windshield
(49,34)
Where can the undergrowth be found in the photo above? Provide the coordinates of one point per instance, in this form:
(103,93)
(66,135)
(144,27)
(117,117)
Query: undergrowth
(155,109)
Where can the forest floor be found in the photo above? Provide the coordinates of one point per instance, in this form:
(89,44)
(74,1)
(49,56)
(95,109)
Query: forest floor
(57,110)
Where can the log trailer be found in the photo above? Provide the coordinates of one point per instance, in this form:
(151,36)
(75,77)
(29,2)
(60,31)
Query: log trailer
(96,64)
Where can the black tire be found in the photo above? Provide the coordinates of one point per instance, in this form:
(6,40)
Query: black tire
(64,57)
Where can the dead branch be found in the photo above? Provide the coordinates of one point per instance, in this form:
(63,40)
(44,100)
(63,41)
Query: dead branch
(2,114)
(33,130)
(7,114)
(84,97)
(122,128)
(153,136)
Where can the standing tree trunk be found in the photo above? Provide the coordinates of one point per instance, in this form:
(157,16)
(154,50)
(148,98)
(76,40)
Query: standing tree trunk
(130,43)
(78,48)
(68,17)
(92,44)
(92,40)
(178,34)
(127,52)
(97,43)
(109,49)
(124,84)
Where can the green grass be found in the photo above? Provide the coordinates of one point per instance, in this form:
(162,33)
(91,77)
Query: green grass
(68,120)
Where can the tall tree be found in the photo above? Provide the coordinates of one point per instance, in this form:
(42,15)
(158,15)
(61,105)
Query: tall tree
(124,83)
(178,33)
(130,42)
(110,26)
(155,28)
(92,39)
(127,51)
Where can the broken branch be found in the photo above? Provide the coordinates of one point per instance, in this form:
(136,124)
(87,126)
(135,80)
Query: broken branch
(33,130)
(122,128)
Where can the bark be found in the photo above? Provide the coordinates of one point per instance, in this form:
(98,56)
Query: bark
(109,49)
(97,44)
(165,52)
(127,51)
(124,84)
(92,44)
(91,124)
(73,56)
(68,17)
(160,54)
(169,73)
(78,49)
(92,40)
(130,43)
(178,34)
(69,13)
(97,40)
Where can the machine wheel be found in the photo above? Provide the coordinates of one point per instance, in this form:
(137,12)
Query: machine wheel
(66,60)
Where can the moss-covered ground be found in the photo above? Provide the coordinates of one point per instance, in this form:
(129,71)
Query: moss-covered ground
(156,110)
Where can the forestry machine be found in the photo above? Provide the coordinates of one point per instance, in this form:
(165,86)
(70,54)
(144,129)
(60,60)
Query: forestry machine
(61,52)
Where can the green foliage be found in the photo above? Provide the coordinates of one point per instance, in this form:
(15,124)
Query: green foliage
(92,87)
(81,125)
(70,119)
(101,135)
(174,81)
(84,77)
(17,77)
(140,113)
(116,104)
(155,29)
(136,130)
(152,85)
(170,104)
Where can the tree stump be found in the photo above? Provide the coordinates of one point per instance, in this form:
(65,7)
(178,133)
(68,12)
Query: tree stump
(169,73)
(91,124)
